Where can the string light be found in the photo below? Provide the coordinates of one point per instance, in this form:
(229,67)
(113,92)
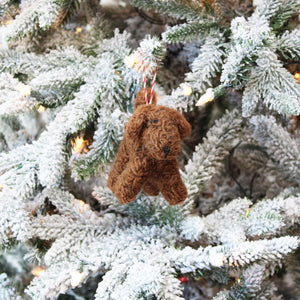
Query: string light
(238,280)
(247,212)
(297,77)
(76,278)
(37,271)
(81,206)
(78,30)
(79,145)
(1,187)
(8,22)
(41,108)
(217,259)
(207,97)
(24,89)
(187,90)
(129,61)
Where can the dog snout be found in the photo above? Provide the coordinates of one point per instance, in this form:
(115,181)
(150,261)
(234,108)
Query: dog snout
(166,150)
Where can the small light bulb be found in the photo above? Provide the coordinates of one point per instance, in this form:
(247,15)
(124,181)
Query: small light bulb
(207,97)
(76,278)
(217,260)
(187,90)
(78,30)
(41,108)
(24,89)
(129,61)
(37,271)
(81,206)
(247,212)
(1,187)
(79,145)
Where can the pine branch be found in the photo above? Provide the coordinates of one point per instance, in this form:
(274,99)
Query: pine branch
(18,171)
(281,147)
(57,279)
(241,254)
(34,15)
(145,210)
(288,45)
(223,231)
(6,291)
(248,36)
(103,81)
(273,84)
(279,11)
(268,217)
(189,31)
(208,64)
(180,9)
(3,7)
(205,67)
(14,96)
(14,220)
(106,138)
(208,156)
(251,285)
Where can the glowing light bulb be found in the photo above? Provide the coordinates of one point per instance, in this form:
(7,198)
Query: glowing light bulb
(76,278)
(1,187)
(78,30)
(37,271)
(8,22)
(24,89)
(129,61)
(238,280)
(187,90)
(81,206)
(247,212)
(79,145)
(207,97)
(41,108)
(297,76)
(217,259)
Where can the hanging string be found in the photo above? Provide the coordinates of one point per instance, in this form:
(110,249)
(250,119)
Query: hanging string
(152,86)
(148,101)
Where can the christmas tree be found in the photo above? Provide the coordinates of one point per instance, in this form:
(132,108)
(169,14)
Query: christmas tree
(70,71)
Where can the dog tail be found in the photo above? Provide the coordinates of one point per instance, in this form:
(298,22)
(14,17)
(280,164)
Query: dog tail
(140,98)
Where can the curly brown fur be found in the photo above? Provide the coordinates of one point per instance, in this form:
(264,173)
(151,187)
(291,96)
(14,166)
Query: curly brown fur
(140,98)
(147,155)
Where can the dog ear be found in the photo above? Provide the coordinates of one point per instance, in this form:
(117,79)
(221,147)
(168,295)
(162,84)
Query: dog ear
(183,125)
(140,98)
(136,123)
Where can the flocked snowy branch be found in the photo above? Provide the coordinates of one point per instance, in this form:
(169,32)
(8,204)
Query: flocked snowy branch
(140,249)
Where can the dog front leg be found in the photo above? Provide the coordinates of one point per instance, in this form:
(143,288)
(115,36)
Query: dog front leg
(130,181)
(171,184)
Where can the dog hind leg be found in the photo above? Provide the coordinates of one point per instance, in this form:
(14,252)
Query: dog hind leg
(118,167)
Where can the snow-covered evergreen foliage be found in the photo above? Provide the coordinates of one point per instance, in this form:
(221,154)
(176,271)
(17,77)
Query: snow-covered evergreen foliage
(141,250)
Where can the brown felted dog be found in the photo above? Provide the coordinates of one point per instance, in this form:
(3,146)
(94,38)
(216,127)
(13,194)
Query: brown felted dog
(147,155)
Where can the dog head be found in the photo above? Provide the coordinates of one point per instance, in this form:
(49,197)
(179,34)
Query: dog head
(156,131)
